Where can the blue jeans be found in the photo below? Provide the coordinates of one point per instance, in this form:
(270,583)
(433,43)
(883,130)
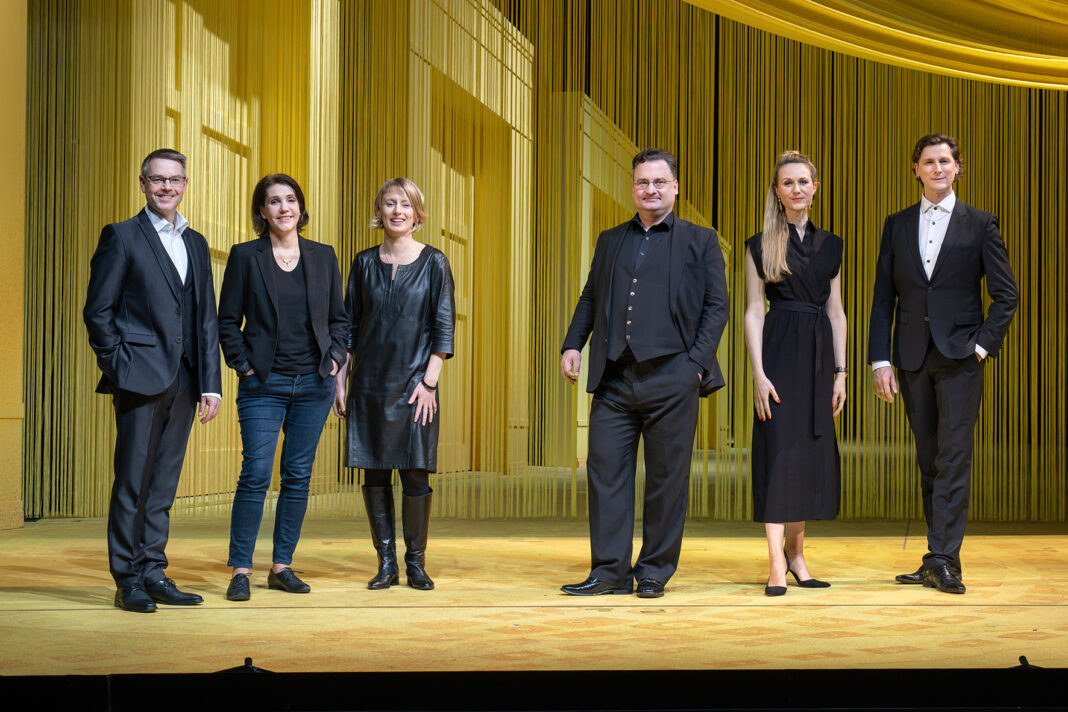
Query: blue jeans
(297,406)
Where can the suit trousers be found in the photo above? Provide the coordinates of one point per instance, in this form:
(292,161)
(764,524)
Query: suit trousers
(152,432)
(942,402)
(655,400)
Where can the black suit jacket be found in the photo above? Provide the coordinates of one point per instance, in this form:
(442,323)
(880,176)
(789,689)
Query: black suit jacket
(133,310)
(249,294)
(697,294)
(948,307)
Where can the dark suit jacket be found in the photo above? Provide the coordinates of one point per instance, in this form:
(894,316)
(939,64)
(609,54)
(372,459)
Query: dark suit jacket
(697,293)
(249,294)
(133,310)
(948,307)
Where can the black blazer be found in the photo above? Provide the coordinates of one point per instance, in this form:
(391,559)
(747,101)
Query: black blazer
(133,310)
(948,307)
(249,294)
(697,293)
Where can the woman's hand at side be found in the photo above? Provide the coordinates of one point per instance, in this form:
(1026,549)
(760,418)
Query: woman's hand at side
(340,373)
(838,397)
(763,392)
(426,404)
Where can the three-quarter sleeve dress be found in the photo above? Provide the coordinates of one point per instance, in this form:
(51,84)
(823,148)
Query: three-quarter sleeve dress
(395,325)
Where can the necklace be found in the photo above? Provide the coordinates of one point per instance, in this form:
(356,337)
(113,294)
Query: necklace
(285,262)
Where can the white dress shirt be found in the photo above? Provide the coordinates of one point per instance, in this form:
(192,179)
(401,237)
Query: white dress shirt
(934,220)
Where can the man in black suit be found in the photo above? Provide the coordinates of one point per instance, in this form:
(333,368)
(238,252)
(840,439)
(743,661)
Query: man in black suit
(928,285)
(655,303)
(150,312)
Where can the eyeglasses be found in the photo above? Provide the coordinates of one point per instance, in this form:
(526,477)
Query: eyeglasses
(160,181)
(659,183)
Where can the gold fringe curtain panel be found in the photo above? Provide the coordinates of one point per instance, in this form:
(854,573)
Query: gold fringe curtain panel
(518,120)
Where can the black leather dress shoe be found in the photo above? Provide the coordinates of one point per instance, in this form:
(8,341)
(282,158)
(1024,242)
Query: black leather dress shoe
(917,576)
(286,580)
(594,587)
(132,597)
(650,588)
(164,591)
(239,588)
(944,579)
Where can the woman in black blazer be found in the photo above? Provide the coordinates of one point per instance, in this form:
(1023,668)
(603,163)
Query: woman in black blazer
(287,292)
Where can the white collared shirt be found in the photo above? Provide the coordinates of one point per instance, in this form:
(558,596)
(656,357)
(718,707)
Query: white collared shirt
(171,237)
(934,219)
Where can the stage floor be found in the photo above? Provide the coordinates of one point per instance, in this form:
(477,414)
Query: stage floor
(497,605)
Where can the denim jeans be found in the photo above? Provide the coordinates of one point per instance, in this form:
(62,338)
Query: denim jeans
(297,406)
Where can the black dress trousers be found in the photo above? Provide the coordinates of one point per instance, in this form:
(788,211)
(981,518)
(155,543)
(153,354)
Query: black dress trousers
(942,401)
(655,400)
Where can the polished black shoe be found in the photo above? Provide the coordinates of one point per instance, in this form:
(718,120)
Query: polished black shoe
(164,591)
(807,583)
(917,576)
(944,578)
(286,580)
(595,587)
(239,588)
(133,597)
(649,588)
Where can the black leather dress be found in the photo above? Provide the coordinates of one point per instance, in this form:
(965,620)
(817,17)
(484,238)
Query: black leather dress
(396,324)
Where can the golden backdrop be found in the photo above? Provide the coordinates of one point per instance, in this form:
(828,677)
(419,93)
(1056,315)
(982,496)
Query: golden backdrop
(518,120)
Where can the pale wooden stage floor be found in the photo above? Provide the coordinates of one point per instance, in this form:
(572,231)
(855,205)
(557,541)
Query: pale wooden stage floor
(498,607)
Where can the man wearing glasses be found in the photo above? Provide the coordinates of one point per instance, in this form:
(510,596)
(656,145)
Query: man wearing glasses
(150,312)
(654,308)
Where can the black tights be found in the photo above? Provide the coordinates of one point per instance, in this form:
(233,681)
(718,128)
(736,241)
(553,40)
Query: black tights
(414,482)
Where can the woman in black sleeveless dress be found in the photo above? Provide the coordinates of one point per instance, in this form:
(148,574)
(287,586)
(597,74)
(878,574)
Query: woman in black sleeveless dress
(797,355)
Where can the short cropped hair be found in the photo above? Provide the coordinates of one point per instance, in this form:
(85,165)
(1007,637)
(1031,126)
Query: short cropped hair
(168,153)
(259,199)
(415,197)
(934,140)
(655,154)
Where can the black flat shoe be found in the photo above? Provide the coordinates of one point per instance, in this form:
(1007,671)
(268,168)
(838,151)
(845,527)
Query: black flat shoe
(807,583)
(164,591)
(286,580)
(913,578)
(239,588)
(595,587)
(944,578)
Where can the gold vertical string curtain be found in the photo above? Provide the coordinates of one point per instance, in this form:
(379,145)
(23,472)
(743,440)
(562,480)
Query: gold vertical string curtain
(519,120)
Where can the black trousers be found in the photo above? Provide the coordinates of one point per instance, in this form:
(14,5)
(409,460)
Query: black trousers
(942,402)
(152,432)
(655,400)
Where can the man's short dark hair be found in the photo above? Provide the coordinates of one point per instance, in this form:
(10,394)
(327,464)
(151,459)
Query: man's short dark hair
(655,154)
(168,153)
(934,140)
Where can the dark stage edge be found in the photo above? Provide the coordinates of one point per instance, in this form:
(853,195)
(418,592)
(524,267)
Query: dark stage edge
(1022,688)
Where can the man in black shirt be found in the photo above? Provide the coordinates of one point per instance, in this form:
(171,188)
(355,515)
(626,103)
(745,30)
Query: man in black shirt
(654,308)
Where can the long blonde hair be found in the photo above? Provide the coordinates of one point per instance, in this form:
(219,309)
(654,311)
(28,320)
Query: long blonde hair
(776,233)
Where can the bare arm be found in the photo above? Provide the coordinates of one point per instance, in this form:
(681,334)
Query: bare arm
(763,390)
(839,325)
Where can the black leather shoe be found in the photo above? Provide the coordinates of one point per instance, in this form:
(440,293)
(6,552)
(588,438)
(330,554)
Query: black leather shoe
(649,588)
(239,588)
(917,576)
(774,590)
(286,580)
(807,583)
(132,597)
(595,587)
(944,579)
(164,591)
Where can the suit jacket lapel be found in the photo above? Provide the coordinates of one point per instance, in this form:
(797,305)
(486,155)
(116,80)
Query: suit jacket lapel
(264,257)
(912,237)
(311,271)
(612,255)
(958,225)
(678,239)
(165,264)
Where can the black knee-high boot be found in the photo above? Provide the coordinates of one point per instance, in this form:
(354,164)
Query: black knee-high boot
(415,516)
(379,504)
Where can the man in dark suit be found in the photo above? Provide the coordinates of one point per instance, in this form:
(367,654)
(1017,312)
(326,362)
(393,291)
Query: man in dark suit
(150,312)
(928,285)
(655,303)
